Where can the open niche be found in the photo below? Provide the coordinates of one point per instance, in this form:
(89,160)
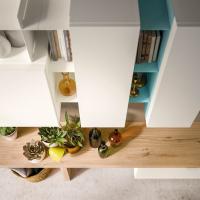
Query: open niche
(156,18)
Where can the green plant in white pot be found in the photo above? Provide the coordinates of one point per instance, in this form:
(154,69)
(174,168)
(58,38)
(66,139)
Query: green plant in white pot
(52,136)
(9,133)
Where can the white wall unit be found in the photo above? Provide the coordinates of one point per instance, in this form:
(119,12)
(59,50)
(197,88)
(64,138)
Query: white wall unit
(176,99)
(103,58)
(104,42)
(26,99)
(167,173)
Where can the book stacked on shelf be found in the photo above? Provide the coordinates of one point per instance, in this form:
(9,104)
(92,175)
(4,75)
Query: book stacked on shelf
(60,45)
(148,46)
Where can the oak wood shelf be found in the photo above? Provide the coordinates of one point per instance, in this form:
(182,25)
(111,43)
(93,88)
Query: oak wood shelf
(142,147)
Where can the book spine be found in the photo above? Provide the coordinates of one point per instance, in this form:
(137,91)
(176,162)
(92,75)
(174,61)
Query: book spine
(55,34)
(62,44)
(53,54)
(68,45)
(153,41)
(148,46)
(144,43)
(157,45)
(139,50)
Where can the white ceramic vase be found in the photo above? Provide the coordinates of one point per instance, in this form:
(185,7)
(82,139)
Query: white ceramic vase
(5,46)
(49,145)
(16,38)
(39,160)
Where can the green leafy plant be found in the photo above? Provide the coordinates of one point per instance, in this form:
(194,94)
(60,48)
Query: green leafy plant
(53,135)
(74,133)
(5,131)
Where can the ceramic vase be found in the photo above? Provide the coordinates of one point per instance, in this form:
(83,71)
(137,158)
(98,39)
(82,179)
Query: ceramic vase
(5,46)
(67,85)
(115,138)
(103,150)
(16,38)
(95,138)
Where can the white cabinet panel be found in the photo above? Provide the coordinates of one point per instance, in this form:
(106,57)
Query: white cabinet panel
(167,173)
(25,98)
(177,98)
(104,58)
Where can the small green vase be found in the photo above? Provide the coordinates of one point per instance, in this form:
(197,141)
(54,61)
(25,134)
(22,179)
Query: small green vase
(103,150)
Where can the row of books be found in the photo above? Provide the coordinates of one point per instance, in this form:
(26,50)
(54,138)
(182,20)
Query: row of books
(60,45)
(148,46)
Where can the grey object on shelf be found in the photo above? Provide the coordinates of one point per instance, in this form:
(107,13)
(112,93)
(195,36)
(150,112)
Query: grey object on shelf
(5,46)
(16,38)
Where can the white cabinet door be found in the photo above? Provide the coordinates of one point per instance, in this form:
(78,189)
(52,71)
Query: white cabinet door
(25,97)
(104,58)
(176,101)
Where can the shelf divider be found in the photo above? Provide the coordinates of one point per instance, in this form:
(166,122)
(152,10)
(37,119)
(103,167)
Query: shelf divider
(146,67)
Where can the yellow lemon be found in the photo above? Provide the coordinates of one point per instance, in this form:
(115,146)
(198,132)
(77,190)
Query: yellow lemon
(56,153)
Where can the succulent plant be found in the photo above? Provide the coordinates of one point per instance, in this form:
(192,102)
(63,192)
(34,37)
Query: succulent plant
(5,131)
(74,133)
(34,150)
(53,135)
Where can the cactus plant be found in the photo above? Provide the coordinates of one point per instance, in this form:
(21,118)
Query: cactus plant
(34,151)
(53,135)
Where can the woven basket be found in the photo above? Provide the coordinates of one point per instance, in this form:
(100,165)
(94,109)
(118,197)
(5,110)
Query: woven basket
(44,173)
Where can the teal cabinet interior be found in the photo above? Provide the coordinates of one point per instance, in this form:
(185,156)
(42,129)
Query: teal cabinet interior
(154,15)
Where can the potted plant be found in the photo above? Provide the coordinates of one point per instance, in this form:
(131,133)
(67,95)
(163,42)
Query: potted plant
(9,133)
(74,134)
(52,136)
(34,151)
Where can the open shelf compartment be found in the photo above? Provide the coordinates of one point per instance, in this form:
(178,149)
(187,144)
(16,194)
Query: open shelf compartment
(154,15)
(143,96)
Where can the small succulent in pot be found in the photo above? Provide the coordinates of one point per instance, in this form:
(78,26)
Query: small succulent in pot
(52,136)
(34,151)
(9,133)
(74,134)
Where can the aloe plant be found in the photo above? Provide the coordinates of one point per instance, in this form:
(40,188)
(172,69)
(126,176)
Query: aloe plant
(74,133)
(5,131)
(53,135)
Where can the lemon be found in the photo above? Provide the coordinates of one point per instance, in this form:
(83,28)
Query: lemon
(56,153)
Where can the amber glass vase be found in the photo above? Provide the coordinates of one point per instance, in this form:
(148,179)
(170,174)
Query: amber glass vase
(67,85)
(115,138)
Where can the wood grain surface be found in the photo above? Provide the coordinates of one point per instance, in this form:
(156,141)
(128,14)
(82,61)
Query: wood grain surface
(141,147)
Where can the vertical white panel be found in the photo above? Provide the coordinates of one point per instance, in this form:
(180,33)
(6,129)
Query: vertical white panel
(104,58)
(26,99)
(177,98)
(29,42)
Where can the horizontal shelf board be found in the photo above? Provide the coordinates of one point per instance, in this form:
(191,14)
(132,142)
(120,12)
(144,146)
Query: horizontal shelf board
(141,147)
(154,15)
(142,98)
(61,66)
(65,99)
(146,67)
